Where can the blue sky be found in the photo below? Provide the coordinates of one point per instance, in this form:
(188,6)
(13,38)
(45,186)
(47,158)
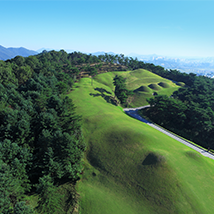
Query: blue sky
(169,28)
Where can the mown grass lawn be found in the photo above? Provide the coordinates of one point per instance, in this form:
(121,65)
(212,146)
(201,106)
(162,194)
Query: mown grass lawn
(130,167)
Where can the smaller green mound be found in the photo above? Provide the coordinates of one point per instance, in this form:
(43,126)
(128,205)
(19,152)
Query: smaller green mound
(105,79)
(142,89)
(139,99)
(194,155)
(154,159)
(139,73)
(163,84)
(154,86)
(182,84)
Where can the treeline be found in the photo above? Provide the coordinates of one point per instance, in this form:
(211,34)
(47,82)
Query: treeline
(134,63)
(175,75)
(41,143)
(189,112)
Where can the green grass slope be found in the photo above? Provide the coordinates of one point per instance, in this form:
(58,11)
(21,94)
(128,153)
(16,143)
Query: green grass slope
(142,82)
(129,167)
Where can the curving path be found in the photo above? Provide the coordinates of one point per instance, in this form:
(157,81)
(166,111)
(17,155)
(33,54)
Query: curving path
(133,112)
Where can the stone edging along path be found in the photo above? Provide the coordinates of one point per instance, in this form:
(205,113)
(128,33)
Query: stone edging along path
(133,112)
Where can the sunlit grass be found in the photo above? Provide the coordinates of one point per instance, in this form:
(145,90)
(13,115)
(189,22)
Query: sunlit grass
(133,168)
(142,82)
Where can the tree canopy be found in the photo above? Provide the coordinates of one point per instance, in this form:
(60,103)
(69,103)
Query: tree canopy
(40,133)
(121,91)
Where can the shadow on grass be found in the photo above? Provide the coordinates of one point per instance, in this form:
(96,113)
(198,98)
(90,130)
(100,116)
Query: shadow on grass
(107,98)
(95,95)
(102,90)
(153,159)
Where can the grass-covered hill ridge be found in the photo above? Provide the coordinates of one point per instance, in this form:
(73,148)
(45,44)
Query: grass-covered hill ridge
(130,167)
(142,82)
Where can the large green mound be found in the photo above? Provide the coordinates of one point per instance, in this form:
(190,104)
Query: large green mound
(142,89)
(153,159)
(154,86)
(163,84)
(130,167)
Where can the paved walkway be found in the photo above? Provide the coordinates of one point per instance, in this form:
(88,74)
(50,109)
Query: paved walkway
(133,112)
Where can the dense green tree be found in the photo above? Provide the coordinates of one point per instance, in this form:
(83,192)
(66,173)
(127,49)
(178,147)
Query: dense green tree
(62,87)
(93,73)
(49,200)
(185,118)
(35,118)
(24,73)
(120,89)
(19,60)
(22,208)
(10,188)
(6,74)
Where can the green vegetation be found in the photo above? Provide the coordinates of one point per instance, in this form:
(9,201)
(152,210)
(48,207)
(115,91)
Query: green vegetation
(138,81)
(189,112)
(180,84)
(131,167)
(121,91)
(154,86)
(145,85)
(41,143)
(128,167)
(142,89)
(163,84)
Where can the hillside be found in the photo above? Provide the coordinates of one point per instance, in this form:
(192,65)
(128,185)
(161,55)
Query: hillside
(8,53)
(127,167)
(132,168)
(142,82)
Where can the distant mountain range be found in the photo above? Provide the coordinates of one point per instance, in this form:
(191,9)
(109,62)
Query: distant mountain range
(200,66)
(9,53)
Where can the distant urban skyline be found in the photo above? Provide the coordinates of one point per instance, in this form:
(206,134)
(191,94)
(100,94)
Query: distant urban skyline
(167,28)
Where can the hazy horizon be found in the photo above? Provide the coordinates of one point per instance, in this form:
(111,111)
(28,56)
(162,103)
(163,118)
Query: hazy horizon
(129,54)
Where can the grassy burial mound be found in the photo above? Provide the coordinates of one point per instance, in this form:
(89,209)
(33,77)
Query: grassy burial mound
(144,83)
(143,89)
(163,84)
(130,167)
(182,84)
(154,86)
